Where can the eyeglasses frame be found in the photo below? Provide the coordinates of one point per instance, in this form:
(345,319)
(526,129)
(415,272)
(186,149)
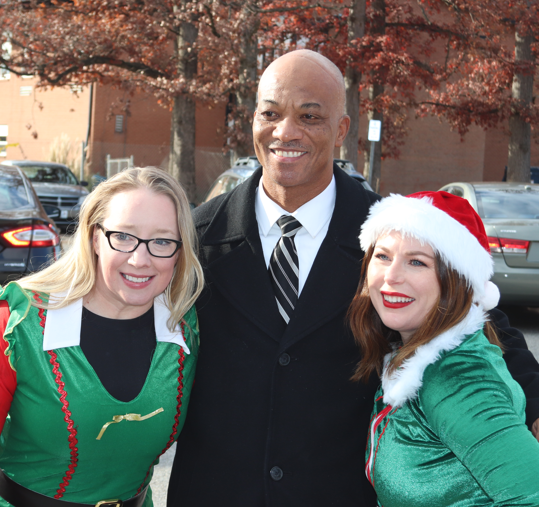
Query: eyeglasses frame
(108,233)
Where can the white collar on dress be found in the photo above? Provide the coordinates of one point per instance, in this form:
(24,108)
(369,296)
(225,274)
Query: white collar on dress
(62,326)
(404,383)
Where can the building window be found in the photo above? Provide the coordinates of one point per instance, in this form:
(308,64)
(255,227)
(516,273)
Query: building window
(119,125)
(3,140)
(4,74)
(75,88)
(25,91)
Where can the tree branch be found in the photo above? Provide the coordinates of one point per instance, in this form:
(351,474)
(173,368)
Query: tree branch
(212,22)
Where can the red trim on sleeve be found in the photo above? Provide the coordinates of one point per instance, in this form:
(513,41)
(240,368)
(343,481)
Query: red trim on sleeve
(8,376)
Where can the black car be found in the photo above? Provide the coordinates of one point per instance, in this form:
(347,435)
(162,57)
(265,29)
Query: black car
(28,236)
(246,166)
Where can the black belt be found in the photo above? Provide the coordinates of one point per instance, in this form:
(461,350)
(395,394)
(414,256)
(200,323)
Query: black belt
(19,496)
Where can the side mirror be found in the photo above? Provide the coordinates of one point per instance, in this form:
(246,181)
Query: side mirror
(83,183)
(52,211)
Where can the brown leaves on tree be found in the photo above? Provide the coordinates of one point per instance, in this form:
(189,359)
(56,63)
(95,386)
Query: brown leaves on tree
(449,58)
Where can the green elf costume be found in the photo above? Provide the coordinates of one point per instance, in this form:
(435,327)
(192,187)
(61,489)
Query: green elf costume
(66,437)
(448,426)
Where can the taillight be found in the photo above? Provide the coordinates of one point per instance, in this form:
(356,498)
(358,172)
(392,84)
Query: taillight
(494,244)
(36,236)
(506,245)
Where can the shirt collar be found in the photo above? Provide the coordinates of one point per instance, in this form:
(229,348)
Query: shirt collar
(313,215)
(63,325)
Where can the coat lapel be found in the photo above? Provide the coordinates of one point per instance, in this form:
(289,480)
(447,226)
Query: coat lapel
(239,272)
(334,276)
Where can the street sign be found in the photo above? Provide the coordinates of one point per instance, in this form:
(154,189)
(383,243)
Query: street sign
(375,129)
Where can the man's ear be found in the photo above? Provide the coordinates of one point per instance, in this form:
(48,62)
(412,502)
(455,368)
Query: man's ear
(342,130)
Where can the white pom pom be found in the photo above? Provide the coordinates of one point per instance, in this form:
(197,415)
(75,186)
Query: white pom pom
(491,296)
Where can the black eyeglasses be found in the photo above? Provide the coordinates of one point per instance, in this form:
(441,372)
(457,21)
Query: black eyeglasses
(127,243)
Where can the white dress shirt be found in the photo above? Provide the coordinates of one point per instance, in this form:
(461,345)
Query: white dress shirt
(314,216)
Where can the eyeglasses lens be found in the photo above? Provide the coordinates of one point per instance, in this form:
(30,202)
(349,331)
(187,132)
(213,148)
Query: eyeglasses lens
(127,243)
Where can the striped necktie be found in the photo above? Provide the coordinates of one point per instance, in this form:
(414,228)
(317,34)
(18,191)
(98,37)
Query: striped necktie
(284,267)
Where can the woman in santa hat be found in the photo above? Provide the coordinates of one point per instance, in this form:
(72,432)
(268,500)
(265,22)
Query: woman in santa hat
(448,426)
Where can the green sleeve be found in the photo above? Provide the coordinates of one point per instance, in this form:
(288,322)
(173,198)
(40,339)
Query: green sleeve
(473,406)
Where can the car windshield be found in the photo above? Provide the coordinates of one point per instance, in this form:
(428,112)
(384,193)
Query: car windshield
(508,203)
(222,185)
(49,174)
(13,193)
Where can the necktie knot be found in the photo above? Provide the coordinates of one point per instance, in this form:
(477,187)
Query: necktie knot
(289,225)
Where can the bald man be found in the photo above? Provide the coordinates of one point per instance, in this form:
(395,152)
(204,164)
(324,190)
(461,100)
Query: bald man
(274,420)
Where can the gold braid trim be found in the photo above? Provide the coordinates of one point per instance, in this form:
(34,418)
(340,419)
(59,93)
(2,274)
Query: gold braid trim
(127,417)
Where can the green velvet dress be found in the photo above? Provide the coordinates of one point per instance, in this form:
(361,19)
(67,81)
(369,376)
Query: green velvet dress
(57,440)
(448,428)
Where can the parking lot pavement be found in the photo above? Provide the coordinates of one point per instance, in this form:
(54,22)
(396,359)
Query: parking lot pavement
(161,475)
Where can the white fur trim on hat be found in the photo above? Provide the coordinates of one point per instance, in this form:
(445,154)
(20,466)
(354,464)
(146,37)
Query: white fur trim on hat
(420,219)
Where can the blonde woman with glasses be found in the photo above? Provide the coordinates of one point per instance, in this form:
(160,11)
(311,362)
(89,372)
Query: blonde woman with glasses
(100,351)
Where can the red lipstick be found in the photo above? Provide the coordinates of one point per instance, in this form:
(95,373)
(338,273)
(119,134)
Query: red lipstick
(388,304)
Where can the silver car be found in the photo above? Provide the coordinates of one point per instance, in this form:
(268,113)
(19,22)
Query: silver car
(246,166)
(55,185)
(510,213)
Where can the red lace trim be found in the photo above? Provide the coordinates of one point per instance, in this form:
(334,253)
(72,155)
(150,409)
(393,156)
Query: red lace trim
(72,438)
(178,411)
(41,311)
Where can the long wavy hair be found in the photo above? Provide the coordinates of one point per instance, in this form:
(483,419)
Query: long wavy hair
(74,274)
(375,339)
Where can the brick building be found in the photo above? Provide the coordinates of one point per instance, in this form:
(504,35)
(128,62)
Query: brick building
(31,120)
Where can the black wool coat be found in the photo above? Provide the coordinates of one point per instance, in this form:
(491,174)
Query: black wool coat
(274,419)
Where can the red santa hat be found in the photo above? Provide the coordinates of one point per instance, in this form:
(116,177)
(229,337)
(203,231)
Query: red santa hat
(449,225)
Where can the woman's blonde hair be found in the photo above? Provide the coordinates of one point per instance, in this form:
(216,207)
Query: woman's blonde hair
(74,274)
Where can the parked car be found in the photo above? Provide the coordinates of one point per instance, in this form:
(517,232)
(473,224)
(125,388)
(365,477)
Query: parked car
(510,213)
(55,185)
(246,166)
(29,238)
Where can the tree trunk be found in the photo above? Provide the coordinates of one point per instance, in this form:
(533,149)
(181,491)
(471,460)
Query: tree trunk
(518,168)
(375,90)
(248,79)
(182,139)
(352,78)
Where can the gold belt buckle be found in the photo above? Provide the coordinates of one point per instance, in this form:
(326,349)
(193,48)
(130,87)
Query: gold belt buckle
(109,503)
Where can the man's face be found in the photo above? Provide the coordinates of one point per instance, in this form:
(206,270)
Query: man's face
(298,123)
